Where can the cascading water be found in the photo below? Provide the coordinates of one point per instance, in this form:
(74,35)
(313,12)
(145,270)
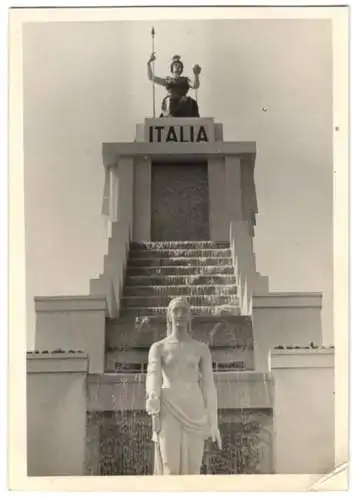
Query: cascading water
(156,272)
(123,430)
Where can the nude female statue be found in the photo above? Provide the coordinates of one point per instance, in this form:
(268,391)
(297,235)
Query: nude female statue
(181,396)
(177,103)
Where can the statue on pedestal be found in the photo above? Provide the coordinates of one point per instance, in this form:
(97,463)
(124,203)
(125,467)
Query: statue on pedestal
(177,102)
(181,396)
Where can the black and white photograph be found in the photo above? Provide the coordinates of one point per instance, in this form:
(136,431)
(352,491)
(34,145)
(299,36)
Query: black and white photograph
(180,181)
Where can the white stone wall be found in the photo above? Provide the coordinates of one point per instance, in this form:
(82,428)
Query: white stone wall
(76,322)
(56,414)
(303,410)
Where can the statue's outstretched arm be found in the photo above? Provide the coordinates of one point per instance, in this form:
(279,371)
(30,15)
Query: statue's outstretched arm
(153,378)
(196,82)
(155,79)
(208,387)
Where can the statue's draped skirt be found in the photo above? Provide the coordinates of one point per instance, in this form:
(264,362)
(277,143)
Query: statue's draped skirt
(183,428)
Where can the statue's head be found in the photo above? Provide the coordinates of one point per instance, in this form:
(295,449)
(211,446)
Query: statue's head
(178,314)
(176,66)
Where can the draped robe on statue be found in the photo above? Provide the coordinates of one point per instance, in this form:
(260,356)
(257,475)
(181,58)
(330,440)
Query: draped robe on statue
(180,375)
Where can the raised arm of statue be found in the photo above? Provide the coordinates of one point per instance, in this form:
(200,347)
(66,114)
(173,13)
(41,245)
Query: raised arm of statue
(210,394)
(151,76)
(153,380)
(196,79)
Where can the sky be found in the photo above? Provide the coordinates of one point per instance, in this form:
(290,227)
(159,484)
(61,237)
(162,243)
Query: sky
(86,83)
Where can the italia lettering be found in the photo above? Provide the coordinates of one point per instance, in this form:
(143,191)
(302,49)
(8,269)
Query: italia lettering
(171,135)
(159,130)
(188,133)
(182,136)
(202,136)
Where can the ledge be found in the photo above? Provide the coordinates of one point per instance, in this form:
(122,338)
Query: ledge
(57,363)
(240,318)
(288,300)
(235,390)
(70,303)
(112,150)
(323,357)
(134,378)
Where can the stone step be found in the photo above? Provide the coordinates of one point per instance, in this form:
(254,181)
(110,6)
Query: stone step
(180,252)
(152,312)
(176,280)
(142,245)
(172,291)
(178,270)
(193,300)
(179,261)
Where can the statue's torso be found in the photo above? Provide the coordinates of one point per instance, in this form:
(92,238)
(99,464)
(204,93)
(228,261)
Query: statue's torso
(177,86)
(180,363)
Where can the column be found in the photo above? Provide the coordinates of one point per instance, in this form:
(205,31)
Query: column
(219,228)
(126,190)
(233,192)
(142,200)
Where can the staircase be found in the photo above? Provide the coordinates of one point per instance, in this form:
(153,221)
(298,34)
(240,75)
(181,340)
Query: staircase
(201,271)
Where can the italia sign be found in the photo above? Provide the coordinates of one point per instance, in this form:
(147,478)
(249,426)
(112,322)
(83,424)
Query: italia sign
(178,133)
(167,131)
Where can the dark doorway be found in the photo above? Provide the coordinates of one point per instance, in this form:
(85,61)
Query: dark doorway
(179,202)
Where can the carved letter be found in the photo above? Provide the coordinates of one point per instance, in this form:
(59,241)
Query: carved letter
(159,130)
(192,130)
(171,135)
(182,138)
(150,134)
(202,136)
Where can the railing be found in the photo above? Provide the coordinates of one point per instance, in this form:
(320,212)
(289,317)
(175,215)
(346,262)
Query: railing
(244,263)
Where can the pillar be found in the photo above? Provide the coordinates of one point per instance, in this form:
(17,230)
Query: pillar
(142,200)
(219,229)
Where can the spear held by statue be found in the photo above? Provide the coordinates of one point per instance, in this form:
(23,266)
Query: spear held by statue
(153,71)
